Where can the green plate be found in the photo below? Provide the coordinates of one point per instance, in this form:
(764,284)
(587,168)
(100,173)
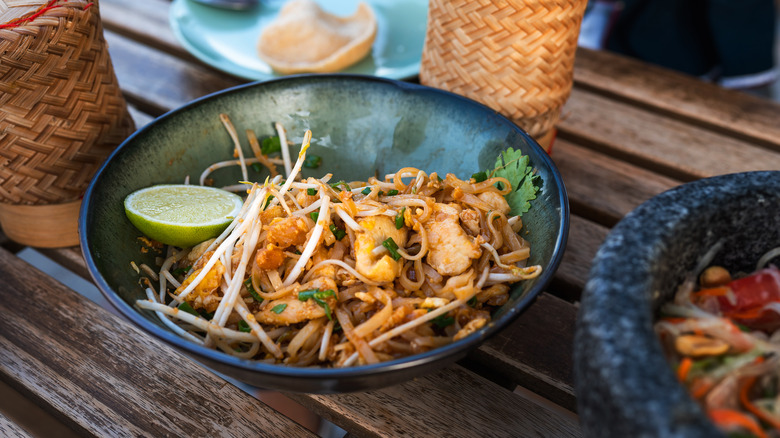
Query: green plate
(227,40)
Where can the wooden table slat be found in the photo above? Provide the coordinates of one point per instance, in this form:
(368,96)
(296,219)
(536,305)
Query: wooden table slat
(109,378)
(679,96)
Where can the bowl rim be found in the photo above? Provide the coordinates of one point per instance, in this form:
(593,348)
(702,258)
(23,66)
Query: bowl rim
(462,345)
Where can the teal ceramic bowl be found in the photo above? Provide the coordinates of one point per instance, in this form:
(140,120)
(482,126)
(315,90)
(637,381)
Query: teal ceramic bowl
(362,125)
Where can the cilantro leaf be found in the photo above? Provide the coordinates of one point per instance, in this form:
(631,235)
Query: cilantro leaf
(514,166)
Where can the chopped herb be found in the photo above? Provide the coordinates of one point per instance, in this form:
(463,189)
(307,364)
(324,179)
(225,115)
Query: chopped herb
(244,327)
(271,145)
(392,192)
(267,202)
(472,301)
(257,167)
(338,233)
(186,307)
(181,271)
(366,191)
(381,193)
(442,321)
(312,161)
(479,177)
(514,166)
(311,192)
(279,308)
(314,215)
(341,186)
(399,219)
(252,291)
(318,296)
(392,248)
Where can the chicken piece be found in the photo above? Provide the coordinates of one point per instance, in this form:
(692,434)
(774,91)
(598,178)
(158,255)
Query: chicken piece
(450,248)
(495,201)
(205,294)
(294,310)
(381,268)
(470,220)
(270,257)
(271,213)
(289,231)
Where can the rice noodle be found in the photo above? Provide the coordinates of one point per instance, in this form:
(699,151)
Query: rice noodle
(302,276)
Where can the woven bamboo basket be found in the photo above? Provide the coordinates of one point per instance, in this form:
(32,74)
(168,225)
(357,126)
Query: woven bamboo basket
(515,56)
(61,114)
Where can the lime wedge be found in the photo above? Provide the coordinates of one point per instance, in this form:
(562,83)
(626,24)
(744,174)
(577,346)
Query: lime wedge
(181,215)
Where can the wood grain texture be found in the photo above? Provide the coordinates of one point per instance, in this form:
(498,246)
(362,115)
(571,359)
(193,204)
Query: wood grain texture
(452,402)
(157,82)
(657,142)
(104,377)
(679,96)
(603,188)
(9,428)
(523,351)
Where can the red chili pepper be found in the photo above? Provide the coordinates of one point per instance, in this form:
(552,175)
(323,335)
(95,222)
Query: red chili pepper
(747,297)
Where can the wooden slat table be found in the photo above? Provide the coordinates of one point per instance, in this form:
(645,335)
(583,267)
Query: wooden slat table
(629,131)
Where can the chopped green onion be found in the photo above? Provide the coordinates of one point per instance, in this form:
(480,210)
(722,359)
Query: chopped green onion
(318,297)
(279,308)
(472,301)
(315,293)
(181,271)
(366,191)
(381,193)
(244,327)
(252,291)
(186,307)
(399,219)
(312,161)
(271,145)
(479,176)
(311,192)
(341,186)
(392,248)
(442,321)
(338,233)
(392,192)
(314,215)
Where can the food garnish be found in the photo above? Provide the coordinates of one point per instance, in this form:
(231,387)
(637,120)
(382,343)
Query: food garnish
(316,273)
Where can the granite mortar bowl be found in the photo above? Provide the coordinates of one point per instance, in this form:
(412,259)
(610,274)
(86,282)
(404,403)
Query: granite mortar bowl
(361,126)
(624,385)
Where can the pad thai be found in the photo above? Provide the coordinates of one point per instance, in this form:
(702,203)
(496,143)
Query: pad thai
(316,272)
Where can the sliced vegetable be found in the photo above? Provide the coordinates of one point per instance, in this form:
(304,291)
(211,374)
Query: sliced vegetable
(392,248)
(279,308)
(319,297)
(252,291)
(399,219)
(338,233)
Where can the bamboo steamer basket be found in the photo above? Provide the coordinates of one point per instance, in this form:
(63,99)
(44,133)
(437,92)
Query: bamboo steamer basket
(61,115)
(517,57)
